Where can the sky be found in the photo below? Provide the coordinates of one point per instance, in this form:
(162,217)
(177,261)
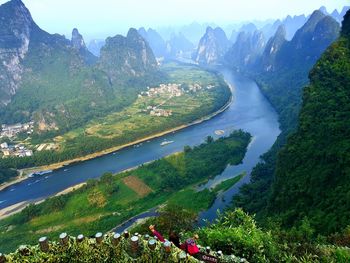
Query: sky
(99,19)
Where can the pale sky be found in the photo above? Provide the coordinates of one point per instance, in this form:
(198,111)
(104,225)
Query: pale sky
(109,17)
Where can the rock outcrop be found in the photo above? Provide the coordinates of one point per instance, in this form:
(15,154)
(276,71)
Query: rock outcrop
(212,46)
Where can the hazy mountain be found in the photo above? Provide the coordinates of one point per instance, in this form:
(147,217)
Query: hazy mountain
(233,36)
(194,31)
(246,50)
(130,55)
(179,46)
(309,41)
(248,28)
(323,9)
(338,16)
(78,44)
(292,24)
(212,46)
(344,10)
(273,47)
(95,46)
(269,30)
(155,41)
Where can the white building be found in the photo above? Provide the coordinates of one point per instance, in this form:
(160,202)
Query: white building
(4,145)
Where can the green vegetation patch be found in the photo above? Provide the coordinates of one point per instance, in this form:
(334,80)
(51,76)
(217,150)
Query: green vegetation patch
(227,184)
(103,204)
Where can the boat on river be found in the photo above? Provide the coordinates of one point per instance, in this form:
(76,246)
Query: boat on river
(42,172)
(166,143)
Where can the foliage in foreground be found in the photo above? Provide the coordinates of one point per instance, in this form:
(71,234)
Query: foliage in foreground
(237,233)
(89,250)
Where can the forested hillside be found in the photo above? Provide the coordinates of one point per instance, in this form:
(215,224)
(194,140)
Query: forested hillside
(282,73)
(313,172)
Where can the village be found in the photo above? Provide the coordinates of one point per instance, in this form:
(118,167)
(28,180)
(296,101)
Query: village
(8,133)
(170,90)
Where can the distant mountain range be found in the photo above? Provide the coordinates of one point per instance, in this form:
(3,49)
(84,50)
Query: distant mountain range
(95,46)
(177,46)
(282,73)
(58,82)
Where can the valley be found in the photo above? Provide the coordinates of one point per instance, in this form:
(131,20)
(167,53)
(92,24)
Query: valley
(235,134)
(135,123)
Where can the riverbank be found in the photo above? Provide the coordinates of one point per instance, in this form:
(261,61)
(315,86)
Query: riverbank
(16,208)
(25,172)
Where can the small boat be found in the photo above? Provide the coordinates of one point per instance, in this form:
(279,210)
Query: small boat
(13,189)
(43,172)
(166,143)
(30,175)
(65,170)
(219,132)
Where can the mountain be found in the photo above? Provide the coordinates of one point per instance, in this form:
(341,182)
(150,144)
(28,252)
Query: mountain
(273,47)
(282,77)
(292,24)
(155,41)
(233,36)
(248,28)
(95,46)
(344,11)
(51,80)
(179,46)
(312,174)
(194,31)
(246,50)
(16,25)
(309,41)
(270,29)
(126,56)
(335,14)
(212,46)
(78,44)
(323,9)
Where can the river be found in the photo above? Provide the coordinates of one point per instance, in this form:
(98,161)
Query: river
(249,111)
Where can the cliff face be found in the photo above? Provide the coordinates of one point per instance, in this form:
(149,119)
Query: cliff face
(212,46)
(246,50)
(273,47)
(78,44)
(16,25)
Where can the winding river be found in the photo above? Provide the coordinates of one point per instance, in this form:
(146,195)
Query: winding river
(249,111)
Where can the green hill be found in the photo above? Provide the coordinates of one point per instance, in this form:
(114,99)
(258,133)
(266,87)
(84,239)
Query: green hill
(313,172)
(55,82)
